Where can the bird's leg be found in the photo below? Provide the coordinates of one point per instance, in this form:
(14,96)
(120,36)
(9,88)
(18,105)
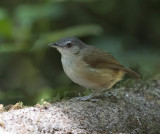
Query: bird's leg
(97,93)
(94,94)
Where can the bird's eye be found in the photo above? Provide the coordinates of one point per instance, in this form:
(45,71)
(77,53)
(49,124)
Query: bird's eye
(69,45)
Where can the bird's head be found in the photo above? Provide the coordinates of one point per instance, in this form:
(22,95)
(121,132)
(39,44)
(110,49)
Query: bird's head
(68,45)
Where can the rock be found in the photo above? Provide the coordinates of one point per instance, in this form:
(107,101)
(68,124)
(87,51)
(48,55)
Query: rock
(123,110)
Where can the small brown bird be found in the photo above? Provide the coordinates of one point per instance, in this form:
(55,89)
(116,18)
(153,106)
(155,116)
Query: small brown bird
(90,67)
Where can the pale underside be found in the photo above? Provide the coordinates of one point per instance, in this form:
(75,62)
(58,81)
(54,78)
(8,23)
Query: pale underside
(93,68)
(94,78)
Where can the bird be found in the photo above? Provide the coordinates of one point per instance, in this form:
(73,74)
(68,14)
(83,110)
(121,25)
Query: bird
(89,66)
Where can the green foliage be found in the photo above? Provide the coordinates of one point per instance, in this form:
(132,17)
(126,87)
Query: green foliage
(31,71)
(5,24)
(80,31)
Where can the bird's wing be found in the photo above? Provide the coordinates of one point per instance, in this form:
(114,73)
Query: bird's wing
(96,58)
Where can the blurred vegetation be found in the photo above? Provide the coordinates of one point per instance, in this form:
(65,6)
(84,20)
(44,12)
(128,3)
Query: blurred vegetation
(31,71)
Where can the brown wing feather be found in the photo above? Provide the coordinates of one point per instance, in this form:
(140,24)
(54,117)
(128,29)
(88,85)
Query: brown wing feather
(100,59)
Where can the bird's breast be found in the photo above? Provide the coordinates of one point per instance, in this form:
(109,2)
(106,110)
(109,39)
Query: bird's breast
(72,67)
(79,72)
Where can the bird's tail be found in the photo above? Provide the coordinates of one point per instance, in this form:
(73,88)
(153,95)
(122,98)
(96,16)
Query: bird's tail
(132,73)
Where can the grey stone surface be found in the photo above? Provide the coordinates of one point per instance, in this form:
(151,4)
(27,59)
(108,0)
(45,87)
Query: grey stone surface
(123,110)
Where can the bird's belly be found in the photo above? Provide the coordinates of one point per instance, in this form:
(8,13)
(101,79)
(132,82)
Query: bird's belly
(78,73)
(91,78)
(84,81)
(81,79)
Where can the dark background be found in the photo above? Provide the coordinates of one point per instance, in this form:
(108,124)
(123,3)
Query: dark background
(31,71)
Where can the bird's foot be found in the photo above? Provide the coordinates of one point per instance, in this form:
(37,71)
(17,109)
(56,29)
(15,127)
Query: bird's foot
(94,97)
(84,98)
(88,98)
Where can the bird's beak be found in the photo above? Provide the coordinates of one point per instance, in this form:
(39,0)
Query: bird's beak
(53,44)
